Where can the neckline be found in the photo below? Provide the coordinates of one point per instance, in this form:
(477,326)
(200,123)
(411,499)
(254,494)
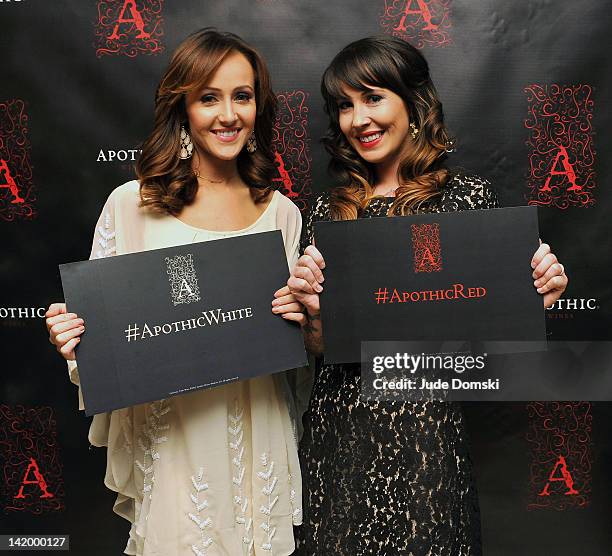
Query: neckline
(249,227)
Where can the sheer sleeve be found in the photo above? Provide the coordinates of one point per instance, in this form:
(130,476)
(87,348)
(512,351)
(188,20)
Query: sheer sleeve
(468,192)
(104,245)
(320,210)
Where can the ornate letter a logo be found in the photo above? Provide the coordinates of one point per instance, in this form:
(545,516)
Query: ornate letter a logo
(17,192)
(129,27)
(426,247)
(562,155)
(420,22)
(183,279)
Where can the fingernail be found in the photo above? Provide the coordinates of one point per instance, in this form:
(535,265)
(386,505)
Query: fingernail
(535,275)
(275,309)
(539,290)
(533,265)
(536,283)
(318,288)
(81,328)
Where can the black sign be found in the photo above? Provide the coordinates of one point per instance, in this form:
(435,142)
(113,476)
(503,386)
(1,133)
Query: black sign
(169,321)
(452,276)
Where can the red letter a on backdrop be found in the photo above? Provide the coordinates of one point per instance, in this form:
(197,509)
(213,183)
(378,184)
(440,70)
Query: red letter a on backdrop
(136,19)
(568,171)
(38,480)
(9,182)
(423,10)
(566,477)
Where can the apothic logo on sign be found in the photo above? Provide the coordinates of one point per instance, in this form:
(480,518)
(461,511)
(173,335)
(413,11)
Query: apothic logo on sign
(29,460)
(129,27)
(183,279)
(419,22)
(426,247)
(291,145)
(562,158)
(16,185)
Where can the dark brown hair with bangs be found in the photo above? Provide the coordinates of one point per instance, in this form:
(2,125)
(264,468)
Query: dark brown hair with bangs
(393,64)
(168,183)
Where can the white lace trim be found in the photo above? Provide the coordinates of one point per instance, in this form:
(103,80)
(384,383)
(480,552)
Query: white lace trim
(236,436)
(296,511)
(106,238)
(271,481)
(148,442)
(200,504)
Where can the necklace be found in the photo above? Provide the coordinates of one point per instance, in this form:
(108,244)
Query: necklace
(200,176)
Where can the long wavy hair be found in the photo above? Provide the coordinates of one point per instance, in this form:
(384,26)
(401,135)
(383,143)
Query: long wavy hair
(393,64)
(168,183)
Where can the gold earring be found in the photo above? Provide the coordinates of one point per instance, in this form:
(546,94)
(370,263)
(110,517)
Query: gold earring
(251,145)
(415,130)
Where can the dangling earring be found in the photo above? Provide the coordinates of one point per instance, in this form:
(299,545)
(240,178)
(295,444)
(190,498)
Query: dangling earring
(251,145)
(186,145)
(415,130)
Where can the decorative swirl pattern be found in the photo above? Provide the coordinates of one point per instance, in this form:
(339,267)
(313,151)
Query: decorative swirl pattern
(28,433)
(129,40)
(562,158)
(183,279)
(291,144)
(419,22)
(560,429)
(15,163)
(426,247)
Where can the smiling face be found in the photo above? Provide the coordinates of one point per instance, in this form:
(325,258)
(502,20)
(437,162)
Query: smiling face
(374,122)
(222,114)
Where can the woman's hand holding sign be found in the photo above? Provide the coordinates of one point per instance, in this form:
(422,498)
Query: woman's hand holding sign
(305,284)
(549,275)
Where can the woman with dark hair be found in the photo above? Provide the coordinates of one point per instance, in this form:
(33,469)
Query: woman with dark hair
(214,471)
(387,478)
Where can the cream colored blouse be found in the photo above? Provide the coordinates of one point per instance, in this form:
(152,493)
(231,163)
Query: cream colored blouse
(214,472)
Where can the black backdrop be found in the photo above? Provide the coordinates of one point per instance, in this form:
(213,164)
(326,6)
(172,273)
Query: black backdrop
(522,84)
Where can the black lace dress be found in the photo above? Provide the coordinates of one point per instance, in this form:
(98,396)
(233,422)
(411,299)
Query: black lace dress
(387,478)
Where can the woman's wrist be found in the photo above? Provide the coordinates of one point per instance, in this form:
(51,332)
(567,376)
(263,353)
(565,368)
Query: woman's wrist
(313,315)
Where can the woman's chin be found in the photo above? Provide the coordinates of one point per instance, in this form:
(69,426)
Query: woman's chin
(225,153)
(372,157)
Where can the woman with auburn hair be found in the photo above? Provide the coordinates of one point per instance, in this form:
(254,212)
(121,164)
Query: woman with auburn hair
(387,478)
(214,471)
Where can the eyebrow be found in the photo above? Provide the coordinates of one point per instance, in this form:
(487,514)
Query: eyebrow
(368,91)
(235,88)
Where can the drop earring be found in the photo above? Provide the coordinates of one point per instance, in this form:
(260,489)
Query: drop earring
(186,148)
(251,145)
(415,130)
